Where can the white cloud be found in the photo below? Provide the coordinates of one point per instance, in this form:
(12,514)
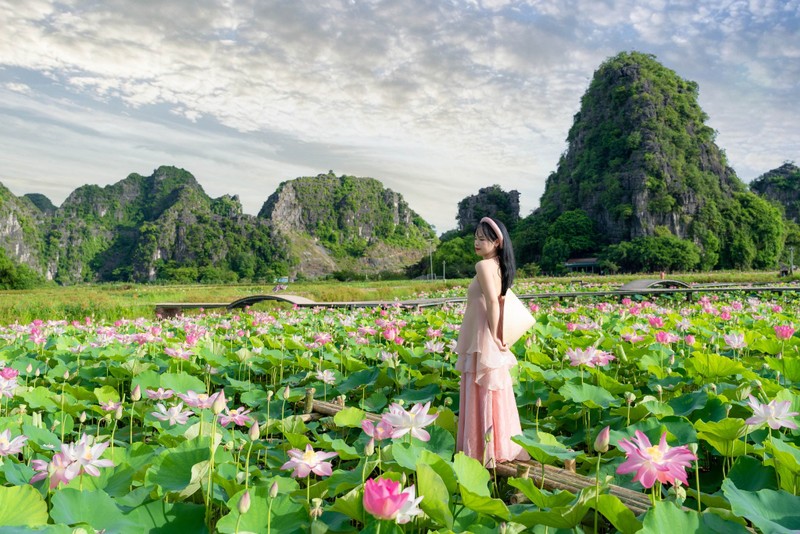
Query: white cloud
(428,96)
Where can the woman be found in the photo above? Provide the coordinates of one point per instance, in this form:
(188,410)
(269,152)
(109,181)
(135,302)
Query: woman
(487,413)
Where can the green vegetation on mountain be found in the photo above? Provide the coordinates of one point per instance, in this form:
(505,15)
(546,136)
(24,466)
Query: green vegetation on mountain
(782,187)
(642,167)
(353,222)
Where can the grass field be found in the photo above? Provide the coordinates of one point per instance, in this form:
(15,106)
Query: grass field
(111,301)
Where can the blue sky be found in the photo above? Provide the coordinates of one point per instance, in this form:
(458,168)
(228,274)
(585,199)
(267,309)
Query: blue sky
(434,98)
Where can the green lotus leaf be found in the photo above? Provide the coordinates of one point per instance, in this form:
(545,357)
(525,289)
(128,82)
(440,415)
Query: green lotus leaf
(95,508)
(769,510)
(172,469)
(544,448)
(750,474)
(284,515)
(712,366)
(471,474)
(157,516)
(484,504)
(665,516)
(349,417)
(541,498)
(587,394)
(436,502)
(23,506)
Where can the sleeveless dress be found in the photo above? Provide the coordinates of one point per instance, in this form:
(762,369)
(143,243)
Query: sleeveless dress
(487,409)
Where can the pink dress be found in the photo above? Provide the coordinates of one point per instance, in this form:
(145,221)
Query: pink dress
(487,410)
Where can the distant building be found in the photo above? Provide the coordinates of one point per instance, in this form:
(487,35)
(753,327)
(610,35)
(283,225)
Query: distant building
(583,265)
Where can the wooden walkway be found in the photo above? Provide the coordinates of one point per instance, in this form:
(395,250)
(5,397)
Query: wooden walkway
(643,287)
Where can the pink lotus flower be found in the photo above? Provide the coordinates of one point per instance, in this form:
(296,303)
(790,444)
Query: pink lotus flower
(8,387)
(198,400)
(379,432)
(383,498)
(784,331)
(61,469)
(735,340)
(110,406)
(413,421)
(87,454)
(159,394)
(591,357)
(775,414)
(323,338)
(326,377)
(656,321)
(689,339)
(238,417)
(8,373)
(651,463)
(174,414)
(434,347)
(410,508)
(179,354)
(309,461)
(665,338)
(11,446)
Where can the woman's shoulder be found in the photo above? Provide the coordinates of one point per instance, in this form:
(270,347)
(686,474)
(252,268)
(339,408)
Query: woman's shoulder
(488,264)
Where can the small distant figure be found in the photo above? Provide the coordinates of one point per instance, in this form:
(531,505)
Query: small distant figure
(280,287)
(663,275)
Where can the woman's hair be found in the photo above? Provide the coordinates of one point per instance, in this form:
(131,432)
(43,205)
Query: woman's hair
(508,267)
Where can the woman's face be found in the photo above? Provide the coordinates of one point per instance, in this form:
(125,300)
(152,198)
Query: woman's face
(484,246)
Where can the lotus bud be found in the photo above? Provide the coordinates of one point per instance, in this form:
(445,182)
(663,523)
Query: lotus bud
(713,388)
(228,446)
(601,441)
(286,392)
(659,389)
(629,397)
(29,369)
(273,490)
(538,402)
(369,450)
(37,419)
(448,401)
(679,491)
(270,394)
(403,479)
(136,394)
(118,413)
(693,448)
(219,403)
(316,508)
(244,502)
(37,373)
(66,375)
(254,432)
(401,402)
(672,359)
(82,417)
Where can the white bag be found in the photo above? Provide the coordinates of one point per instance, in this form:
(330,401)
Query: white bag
(515,318)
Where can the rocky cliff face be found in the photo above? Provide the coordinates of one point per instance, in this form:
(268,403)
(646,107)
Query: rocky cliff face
(489,202)
(20,229)
(355,222)
(781,185)
(640,155)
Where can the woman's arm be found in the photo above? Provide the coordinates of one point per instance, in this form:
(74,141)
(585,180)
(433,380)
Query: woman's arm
(489,280)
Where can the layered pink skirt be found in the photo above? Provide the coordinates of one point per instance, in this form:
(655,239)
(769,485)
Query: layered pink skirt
(487,410)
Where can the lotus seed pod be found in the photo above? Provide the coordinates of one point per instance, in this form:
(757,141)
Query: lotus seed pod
(448,401)
(712,387)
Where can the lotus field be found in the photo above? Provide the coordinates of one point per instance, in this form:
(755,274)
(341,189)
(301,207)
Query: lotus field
(196,424)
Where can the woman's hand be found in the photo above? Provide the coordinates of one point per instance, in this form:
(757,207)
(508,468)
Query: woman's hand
(500,345)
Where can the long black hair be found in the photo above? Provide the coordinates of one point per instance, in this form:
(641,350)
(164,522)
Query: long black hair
(508,267)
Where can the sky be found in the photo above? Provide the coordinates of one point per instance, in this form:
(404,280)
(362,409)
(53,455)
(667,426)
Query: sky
(434,98)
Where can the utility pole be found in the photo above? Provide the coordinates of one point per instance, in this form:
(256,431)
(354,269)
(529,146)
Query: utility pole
(444,274)
(430,257)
